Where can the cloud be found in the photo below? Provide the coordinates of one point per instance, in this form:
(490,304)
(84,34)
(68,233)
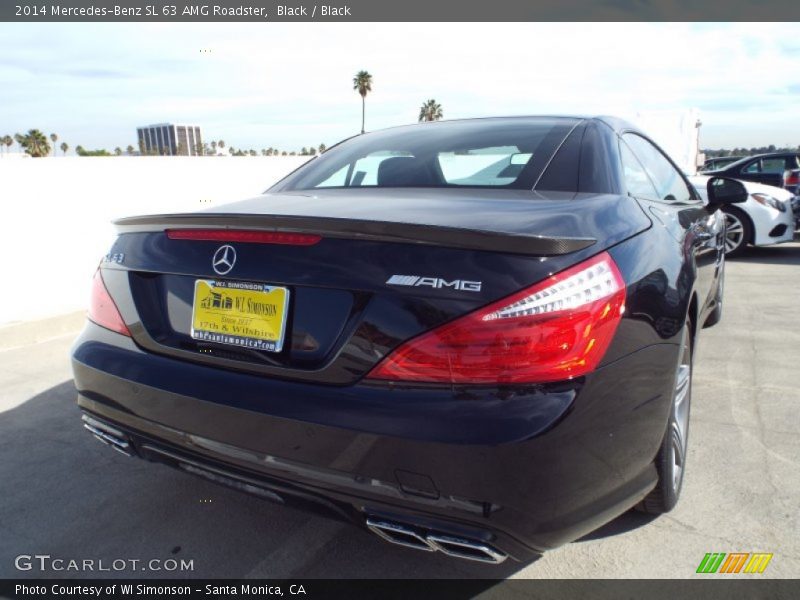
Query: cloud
(96,73)
(288,85)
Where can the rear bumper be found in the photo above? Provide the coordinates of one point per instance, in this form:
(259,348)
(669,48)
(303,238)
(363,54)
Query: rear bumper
(523,469)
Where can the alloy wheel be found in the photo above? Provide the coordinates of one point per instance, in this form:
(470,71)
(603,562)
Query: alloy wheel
(734,232)
(679,423)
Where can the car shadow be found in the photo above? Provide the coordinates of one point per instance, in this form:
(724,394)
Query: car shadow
(68,496)
(625,523)
(782,254)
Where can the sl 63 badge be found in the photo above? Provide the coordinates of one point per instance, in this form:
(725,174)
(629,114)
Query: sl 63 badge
(117,258)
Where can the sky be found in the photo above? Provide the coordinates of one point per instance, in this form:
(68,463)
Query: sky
(288,85)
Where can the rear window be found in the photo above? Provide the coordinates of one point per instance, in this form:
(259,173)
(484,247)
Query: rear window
(492,153)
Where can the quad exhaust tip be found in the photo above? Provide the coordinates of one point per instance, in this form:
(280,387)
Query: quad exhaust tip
(108,435)
(403,535)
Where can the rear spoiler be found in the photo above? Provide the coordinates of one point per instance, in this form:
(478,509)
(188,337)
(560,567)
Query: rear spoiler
(356,229)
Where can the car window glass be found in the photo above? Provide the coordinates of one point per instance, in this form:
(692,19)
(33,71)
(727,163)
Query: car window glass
(483,166)
(365,170)
(506,153)
(637,181)
(668,181)
(338,179)
(773,165)
(753,167)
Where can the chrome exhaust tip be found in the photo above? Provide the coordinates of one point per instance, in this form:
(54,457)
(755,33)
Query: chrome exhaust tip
(466,549)
(399,534)
(405,535)
(108,435)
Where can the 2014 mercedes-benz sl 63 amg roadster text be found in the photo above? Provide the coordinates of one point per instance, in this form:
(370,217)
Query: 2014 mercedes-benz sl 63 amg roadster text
(474,337)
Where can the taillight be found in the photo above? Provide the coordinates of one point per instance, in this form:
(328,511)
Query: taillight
(102,309)
(245,235)
(791,178)
(557,329)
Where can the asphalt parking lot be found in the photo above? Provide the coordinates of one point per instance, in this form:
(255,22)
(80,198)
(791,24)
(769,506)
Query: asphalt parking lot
(65,495)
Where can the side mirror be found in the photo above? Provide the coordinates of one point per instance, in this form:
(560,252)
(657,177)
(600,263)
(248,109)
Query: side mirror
(722,190)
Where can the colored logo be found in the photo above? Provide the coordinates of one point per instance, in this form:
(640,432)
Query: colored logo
(734,562)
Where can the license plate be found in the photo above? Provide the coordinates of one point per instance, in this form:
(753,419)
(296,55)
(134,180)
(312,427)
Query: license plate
(252,315)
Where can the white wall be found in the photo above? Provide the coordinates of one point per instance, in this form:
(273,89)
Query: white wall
(57,213)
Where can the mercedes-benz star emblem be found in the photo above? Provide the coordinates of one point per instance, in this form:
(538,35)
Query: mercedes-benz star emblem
(224,259)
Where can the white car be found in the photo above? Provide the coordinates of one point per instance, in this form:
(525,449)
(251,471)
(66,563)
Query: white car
(765,219)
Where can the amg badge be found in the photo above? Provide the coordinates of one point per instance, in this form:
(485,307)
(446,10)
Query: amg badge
(434,282)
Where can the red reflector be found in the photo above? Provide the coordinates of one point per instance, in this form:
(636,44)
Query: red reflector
(243,235)
(102,309)
(791,178)
(557,329)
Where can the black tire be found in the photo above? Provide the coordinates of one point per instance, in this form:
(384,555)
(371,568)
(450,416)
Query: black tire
(738,231)
(671,457)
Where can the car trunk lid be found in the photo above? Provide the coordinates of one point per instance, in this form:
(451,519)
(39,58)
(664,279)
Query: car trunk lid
(387,267)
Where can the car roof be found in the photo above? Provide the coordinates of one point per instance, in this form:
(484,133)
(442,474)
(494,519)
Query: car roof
(615,123)
(775,154)
(747,159)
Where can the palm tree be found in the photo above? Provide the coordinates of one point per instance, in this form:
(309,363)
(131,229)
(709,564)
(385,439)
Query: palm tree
(221,145)
(430,111)
(34,143)
(118,151)
(129,150)
(54,139)
(6,140)
(362,83)
(64,148)
(79,150)
(214,147)
(322,148)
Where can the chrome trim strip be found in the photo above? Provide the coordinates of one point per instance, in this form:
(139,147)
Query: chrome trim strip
(385,530)
(445,543)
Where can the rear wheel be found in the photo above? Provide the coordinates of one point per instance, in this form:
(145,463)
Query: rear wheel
(738,231)
(671,458)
